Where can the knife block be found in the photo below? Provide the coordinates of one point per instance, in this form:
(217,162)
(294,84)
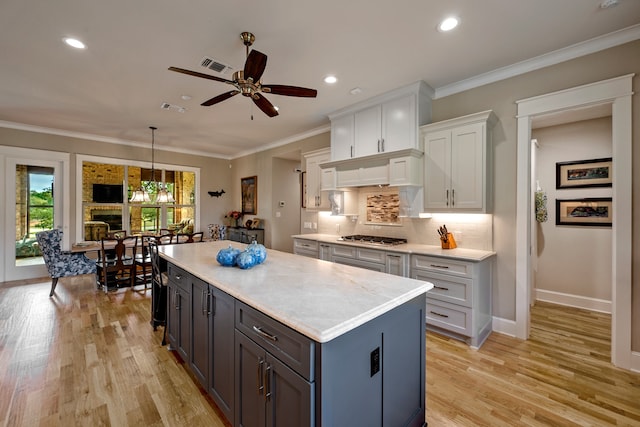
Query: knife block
(450,243)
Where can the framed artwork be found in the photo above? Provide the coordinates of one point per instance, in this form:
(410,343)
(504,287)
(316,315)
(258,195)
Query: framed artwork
(584,173)
(593,211)
(249,189)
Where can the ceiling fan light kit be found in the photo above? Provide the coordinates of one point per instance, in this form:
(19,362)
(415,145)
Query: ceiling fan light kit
(248,81)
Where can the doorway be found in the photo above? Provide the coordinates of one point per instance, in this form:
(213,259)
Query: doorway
(617,92)
(35,196)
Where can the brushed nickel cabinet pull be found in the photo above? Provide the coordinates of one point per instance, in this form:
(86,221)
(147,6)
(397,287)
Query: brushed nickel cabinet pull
(438,314)
(453,197)
(267,381)
(259,330)
(439,266)
(447,196)
(441,288)
(259,374)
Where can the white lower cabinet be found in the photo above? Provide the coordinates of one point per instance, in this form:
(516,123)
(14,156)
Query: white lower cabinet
(308,248)
(459,305)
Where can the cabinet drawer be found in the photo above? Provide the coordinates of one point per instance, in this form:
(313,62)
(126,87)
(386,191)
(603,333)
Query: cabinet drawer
(305,247)
(291,347)
(371,255)
(442,265)
(450,317)
(178,276)
(455,290)
(344,251)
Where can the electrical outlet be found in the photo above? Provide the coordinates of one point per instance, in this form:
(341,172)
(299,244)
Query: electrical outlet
(375,361)
(307,225)
(337,228)
(315,225)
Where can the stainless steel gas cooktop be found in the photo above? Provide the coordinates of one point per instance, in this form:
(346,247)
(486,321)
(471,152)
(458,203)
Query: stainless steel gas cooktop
(376,240)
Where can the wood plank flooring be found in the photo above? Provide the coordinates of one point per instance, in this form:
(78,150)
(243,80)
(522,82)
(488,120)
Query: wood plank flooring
(85,358)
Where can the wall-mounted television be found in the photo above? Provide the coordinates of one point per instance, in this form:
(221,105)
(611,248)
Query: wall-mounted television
(108,193)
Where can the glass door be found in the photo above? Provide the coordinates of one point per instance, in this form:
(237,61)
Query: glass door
(33,189)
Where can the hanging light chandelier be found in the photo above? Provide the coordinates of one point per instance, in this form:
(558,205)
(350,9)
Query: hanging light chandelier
(163,195)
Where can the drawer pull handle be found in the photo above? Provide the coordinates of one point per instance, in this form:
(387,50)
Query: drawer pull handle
(442,288)
(259,330)
(439,266)
(178,277)
(438,314)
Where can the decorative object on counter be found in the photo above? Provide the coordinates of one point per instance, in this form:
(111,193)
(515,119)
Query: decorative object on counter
(249,193)
(228,256)
(541,206)
(253,224)
(584,173)
(258,251)
(246,260)
(234,218)
(596,211)
(446,239)
(216,193)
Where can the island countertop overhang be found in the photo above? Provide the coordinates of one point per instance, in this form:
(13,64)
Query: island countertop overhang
(319,299)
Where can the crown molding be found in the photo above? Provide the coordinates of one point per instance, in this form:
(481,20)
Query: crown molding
(287,140)
(577,50)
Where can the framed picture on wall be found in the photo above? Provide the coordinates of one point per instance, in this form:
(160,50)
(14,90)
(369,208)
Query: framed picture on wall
(584,173)
(249,189)
(593,212)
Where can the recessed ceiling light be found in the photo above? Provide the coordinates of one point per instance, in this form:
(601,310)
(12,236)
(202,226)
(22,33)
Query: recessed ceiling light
(448,24)
(74,42)
(186,97)
(355,91)
(330,79)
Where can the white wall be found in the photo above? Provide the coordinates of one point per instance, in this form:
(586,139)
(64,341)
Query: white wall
(572,260)
(286,189)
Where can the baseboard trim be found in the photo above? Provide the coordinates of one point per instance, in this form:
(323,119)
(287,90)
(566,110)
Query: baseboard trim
(504,326)
(635,361)
(577,301)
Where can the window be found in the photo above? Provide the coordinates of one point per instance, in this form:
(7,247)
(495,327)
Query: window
(107,188)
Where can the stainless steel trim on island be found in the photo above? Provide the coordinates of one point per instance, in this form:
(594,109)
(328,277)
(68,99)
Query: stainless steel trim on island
(351,343)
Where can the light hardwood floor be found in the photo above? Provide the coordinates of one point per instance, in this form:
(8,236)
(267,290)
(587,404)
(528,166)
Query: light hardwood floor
(85,358)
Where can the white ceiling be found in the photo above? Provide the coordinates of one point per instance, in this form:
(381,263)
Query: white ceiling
(113,90)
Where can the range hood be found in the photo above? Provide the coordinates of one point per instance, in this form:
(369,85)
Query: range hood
(396,168)
(401,169)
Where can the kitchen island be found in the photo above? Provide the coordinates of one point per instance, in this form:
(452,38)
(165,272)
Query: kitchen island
(309,343)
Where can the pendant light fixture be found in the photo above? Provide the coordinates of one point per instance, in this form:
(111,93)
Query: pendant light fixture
(163,195)
(141,195)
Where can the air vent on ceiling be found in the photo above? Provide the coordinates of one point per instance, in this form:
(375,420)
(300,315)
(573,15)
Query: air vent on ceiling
(215,65)
(167,106)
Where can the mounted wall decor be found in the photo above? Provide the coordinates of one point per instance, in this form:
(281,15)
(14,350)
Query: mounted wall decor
(592,212)
(249,189)
(216,193)
(584,173)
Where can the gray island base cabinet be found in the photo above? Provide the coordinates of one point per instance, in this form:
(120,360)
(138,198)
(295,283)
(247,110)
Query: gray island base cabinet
(262,370)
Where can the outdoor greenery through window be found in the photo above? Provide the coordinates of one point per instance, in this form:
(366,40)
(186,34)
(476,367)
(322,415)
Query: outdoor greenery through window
(34,206)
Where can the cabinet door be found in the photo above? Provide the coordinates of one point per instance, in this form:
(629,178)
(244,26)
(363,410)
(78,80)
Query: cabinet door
(221,350)
(437,167)
(368,131)
(399,127)
(184,344)
(314,182)
(467,167)
(289,396)
(249,374)
(173,315)
(200,307)
(396,265)
(342,137)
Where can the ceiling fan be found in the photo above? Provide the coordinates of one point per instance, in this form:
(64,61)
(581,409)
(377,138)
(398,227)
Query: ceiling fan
(248,83)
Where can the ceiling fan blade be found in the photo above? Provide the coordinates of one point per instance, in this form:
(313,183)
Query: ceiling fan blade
(264,104)
(220,98)
(290,91)
(197,74)
(255,65)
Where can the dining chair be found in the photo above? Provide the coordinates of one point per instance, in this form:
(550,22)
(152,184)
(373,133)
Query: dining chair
(165,239)
(142,263)
(62,264)
(115,264)
(159,281)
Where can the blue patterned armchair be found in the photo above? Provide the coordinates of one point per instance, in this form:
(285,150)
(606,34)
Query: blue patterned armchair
(62,264)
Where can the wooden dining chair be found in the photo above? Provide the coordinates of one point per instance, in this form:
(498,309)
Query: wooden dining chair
(142,262)
(116,267)
(158,289)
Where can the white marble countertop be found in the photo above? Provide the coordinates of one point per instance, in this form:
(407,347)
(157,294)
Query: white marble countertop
(408,248)
(319,299)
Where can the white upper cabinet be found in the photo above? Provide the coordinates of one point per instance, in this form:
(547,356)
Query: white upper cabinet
(383,124)
(314,195)
(457,160)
